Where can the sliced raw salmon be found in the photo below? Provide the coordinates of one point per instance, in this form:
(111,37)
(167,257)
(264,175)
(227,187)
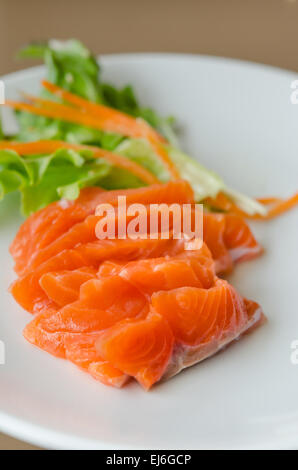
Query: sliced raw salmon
(214,227)
(63,287)
(108,374)
(80,349)
(199,315)
(34,332)
(141,349)
(121,308)
(44,226)
(229,239)
(48,224)
(186,356)
(30,295)
(102,303)
(239,239)
(192,268)
(76,347)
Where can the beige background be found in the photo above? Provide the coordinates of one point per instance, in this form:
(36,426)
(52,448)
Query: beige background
(259,30)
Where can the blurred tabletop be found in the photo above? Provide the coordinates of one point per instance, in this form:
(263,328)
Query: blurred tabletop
(263,31)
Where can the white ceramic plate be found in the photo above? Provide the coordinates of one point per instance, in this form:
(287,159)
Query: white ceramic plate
(236,118)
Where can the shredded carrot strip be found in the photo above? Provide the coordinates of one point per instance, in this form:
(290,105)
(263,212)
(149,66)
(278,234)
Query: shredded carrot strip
(80,116)
(160,151)
(268,200)
(49,146)
(283,206)
(55,110)
(130,126)
(222,202)
(122,123)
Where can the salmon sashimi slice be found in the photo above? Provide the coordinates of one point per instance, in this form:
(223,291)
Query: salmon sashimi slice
(46,225)
(76,347)
(229,239)
(108,374)
(239,239)
(34,332)
(28,292)
(186,356)
(193,268)
(201,315)
(141,348)
(80,349)
(63,287)
(214,227)
(86,232)
(102,303)
(120,308)
(178,191)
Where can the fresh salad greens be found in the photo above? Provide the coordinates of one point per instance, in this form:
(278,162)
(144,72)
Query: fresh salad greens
(46,178)
(71,66)
(43,179)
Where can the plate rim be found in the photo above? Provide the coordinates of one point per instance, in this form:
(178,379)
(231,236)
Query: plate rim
(109,58)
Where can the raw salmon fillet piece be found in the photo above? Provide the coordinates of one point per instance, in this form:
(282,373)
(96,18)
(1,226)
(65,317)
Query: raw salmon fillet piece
(78,348)
(239,239)
(192,268)
(201,322)
(63,287)
(102,303)
(141,349)
(228,237)
(230,240)
(45,226)
(199,315)
(186,356)
(28,292)
(121,309)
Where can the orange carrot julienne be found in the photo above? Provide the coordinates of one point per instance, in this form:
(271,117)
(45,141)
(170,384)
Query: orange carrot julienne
(129,124)
(49,146)
(80,116)
(160,151)
(268,200)
(283,206)
(55,110)
(126,124)
(101,111)
(222,202)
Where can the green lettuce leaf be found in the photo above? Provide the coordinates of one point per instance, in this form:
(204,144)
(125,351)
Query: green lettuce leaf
(47,178)
(71,65)
(15,173)
(141,152)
